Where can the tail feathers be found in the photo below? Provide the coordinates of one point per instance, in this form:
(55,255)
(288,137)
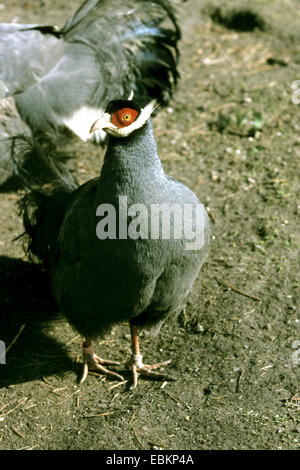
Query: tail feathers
(156,72)
(43,214)
(36,162)
(136,39)
(85,10)
(93,12)
(49,189)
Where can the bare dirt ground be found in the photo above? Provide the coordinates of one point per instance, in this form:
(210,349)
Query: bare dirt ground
(232,134)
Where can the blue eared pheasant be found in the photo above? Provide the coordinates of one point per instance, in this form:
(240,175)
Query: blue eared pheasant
(99,279)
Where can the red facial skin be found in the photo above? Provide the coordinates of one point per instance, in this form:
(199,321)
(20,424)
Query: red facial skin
(124,117)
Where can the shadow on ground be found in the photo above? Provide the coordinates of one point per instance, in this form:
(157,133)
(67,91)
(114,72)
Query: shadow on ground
(25,299)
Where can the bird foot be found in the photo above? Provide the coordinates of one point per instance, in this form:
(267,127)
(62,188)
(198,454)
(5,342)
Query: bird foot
(139,368)
(93,362)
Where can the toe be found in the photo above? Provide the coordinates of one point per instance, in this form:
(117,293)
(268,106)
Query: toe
(99,360)
(84,373)
(93,362)
(158,365)
(102,369)
(134,376)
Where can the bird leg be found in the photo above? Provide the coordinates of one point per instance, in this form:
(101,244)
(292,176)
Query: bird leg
(137,365)
(93,362)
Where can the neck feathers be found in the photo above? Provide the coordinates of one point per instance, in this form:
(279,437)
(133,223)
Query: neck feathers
(135,154)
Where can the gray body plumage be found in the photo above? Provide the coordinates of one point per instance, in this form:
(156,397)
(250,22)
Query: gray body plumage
(63,79)
(98,283)
(101,282)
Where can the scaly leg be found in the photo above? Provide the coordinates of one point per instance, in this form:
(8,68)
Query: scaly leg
(137,366)
(93,362)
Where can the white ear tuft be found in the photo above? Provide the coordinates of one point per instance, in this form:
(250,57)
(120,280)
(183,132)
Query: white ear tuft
(137,124)
(104,123)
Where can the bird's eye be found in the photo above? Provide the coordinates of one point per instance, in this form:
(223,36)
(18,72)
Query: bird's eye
(124,117)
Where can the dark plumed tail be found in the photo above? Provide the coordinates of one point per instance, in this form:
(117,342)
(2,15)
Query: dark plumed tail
(49,187)
(137,38)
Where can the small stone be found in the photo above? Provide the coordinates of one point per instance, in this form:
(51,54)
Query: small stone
(199,328)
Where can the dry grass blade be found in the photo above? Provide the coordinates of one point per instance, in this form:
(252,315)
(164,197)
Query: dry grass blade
(231,286)
(67,398)
(16,431)
(72,340)
(105,413)
(138,438)
(117,385)
(13,409)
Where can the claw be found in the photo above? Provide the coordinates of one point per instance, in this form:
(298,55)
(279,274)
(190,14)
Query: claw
(84,373)
(138,368)
(93,362)
(137,365)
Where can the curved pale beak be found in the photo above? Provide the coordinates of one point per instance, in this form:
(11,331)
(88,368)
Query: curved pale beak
(102,123)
